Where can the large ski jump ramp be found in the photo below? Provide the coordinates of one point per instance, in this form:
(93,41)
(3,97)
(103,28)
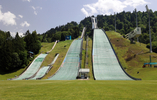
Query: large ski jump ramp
(70,66)
(106,65)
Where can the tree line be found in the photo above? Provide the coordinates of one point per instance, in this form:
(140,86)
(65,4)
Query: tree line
(60,32)
(125,23)
(14,50)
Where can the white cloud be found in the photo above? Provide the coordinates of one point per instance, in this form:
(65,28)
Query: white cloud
(27,0)
(85,12)
(35,13)
(106,6)
(20,16)
(35,9)
(7,18)
(25,23)
(13,34)
(91,8)
(135,3)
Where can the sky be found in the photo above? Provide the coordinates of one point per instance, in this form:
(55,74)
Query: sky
(42,15)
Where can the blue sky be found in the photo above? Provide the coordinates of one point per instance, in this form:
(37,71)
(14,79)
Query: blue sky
(41,15)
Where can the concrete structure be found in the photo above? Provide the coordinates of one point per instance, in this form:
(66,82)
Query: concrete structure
(84,73)
(134,34)
(94,22)
(83,32)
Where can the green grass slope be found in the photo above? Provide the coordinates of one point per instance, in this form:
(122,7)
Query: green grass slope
(133,56)
(89,57)
(78,90)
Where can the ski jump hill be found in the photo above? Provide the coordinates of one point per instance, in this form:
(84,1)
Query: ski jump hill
(106,65)
(69,68)
(34,71)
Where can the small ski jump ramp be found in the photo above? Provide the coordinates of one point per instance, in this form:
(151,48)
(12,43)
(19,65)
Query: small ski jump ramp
(33,68)
(40,73)
(106,65)
(44,70)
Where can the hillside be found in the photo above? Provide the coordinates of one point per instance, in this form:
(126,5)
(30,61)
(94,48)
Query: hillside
(133,56)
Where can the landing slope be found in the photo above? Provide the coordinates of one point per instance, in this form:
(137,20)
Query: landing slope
(105,63)
(69,68)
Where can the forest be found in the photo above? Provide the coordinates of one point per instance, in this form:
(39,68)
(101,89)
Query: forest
(14,51)
(125,23)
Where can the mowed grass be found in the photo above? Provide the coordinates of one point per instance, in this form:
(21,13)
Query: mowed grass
(133,56)
(46,47)
(78,90)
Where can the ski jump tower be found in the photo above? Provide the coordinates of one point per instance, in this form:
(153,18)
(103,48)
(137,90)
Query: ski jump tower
(94,22)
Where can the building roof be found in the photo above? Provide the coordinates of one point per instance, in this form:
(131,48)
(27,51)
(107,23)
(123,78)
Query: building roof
(84,70)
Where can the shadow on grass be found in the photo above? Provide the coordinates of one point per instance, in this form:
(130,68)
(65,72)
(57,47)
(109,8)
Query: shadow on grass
(134,56)
(144,53)
(3,72)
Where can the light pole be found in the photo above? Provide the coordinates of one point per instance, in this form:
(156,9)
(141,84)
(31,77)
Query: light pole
(149,33)
(115,21)
(136,22)
(149,29)
(136,18)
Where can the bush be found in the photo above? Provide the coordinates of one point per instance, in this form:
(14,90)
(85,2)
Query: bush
(154,46)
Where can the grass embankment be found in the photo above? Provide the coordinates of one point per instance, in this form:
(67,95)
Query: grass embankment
(133,56)
(87,62)
(78,90)
(46,47)
(89,58)
(12,74)
(83,54)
